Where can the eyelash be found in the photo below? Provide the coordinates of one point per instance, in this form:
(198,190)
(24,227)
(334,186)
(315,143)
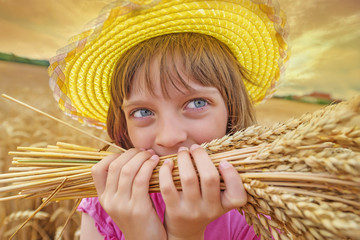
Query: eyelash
(132,114)
(197,99)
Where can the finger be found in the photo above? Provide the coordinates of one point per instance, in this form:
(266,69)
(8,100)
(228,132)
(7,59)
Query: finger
(99,172)
(235,195)
(167,187)
(142,179)
(115,167)
(188,177)
(129,171)
(209,175)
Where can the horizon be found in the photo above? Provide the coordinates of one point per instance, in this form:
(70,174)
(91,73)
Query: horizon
(325,36)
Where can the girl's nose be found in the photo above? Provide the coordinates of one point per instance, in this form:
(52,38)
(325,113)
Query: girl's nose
(171,133)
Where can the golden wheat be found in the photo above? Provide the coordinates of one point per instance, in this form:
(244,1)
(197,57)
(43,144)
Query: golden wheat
(302,177)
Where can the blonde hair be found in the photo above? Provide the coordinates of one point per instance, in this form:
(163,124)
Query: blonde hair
(204,59)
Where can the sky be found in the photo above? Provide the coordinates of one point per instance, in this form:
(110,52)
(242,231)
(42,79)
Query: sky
(325,45)
(324,38)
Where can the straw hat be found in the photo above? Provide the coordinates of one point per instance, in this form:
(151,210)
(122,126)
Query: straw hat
(254,30)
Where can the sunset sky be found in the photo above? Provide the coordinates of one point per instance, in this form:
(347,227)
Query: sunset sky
(325,38)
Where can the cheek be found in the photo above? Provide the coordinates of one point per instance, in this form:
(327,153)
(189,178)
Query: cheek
(209,129)
(140,138)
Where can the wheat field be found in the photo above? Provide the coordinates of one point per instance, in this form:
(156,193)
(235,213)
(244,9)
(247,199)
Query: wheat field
(23,127)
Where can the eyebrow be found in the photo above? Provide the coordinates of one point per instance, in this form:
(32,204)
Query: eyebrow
(134,103)
(203,90)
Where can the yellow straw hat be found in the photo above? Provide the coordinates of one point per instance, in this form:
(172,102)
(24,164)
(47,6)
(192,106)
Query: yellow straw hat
(254,30)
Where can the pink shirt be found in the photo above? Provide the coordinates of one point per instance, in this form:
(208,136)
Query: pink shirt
(230,226)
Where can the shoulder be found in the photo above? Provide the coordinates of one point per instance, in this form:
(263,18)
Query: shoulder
(88,228)
(88,204)
(93,208)
(103,222)
(96,216)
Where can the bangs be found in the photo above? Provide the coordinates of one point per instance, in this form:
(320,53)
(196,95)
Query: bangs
(171,68)
(181,58)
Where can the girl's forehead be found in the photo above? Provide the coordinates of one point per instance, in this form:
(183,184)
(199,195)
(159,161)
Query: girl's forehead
(158,86)
(160,79)
(141,94)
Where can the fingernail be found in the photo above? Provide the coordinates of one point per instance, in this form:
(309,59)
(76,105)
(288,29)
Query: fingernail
(183,149)
(194,146)
(168,161)
(225,164)
(154,157)
(151,151)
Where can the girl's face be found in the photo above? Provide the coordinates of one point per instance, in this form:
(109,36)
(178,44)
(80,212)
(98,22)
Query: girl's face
(181,118)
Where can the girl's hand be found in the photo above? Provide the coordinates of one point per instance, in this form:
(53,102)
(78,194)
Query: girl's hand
(190,211)
(122,184)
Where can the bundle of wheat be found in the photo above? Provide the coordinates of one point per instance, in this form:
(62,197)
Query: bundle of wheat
(302,177)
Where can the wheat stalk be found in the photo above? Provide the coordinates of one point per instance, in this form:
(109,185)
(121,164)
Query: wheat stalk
(60,121)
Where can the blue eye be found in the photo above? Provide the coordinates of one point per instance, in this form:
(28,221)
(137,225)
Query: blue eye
(197,103)
(141,113)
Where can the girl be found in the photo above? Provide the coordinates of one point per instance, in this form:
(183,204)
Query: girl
(171,89)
